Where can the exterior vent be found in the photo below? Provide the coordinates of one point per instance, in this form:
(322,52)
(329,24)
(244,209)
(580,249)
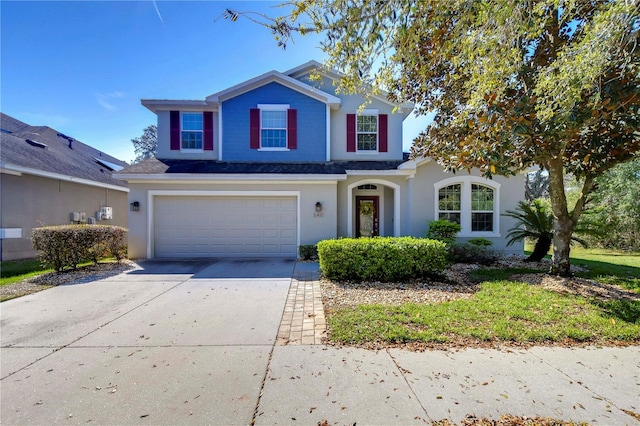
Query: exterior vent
(35,143)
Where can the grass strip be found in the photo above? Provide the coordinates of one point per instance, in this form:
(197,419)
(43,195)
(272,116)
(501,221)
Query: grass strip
(501,311)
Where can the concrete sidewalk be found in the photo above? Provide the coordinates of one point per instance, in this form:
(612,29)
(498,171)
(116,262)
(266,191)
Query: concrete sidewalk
(309,384)
(195,343)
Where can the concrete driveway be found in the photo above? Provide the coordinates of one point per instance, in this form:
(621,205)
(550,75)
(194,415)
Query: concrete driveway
(171,343)
(195,343)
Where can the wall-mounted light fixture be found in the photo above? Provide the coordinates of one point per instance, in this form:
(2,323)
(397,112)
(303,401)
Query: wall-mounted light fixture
(135,206)
(318,207)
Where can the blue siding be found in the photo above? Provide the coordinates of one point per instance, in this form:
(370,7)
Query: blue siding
(311,126)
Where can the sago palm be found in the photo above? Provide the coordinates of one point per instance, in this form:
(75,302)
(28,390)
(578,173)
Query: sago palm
(535,221)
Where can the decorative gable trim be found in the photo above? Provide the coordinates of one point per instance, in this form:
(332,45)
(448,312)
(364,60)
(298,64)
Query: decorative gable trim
(315,66)
(278,77)
(174,126)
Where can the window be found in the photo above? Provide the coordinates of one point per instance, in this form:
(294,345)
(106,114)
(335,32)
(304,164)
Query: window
(450,203)
(481,208)
(273,128)
(192,130)
(368,186)
(470,203)
(367,132)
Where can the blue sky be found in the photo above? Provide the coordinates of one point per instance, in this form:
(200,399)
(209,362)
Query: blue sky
(82,67)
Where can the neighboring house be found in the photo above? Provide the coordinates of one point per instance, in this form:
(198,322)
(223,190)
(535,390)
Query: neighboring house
(48,178)
(279,161)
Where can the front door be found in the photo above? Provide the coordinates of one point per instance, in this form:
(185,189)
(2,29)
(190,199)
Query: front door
(367,216)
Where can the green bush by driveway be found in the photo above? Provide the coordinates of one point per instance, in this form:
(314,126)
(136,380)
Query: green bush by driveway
(381,258)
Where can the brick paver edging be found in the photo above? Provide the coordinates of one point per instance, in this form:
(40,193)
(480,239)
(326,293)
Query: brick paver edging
(303,321)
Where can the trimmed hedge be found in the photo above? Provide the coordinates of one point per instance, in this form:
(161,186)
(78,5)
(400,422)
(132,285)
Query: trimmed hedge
(386,259)
(66,246)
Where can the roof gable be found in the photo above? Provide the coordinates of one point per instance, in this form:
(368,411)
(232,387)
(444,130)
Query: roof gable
(277,77)
(314,66)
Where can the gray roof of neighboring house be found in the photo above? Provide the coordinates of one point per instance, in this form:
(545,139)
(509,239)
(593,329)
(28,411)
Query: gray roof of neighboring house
(157,166)
(47,150)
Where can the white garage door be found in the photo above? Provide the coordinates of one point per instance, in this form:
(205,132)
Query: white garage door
(210,226)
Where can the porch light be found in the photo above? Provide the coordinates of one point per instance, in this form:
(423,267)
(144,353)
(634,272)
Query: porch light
(135,206)
(318,207)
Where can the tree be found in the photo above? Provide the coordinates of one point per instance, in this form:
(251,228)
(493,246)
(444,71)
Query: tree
(614,213)
(536,222)
(146,146)
(513,83)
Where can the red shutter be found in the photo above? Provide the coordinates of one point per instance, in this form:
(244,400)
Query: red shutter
(254,128)
(207,122)
(292,128)
(174,129)
(382,133)
(351,133)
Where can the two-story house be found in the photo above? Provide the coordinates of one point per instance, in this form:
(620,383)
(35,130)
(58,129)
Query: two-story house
(278,161)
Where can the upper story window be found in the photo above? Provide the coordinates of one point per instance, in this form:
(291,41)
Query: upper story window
(192,130)
(367,132)
(273,129)
(470,203)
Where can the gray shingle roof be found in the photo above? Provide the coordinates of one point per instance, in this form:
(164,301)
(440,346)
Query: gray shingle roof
(157,166)
(62,155)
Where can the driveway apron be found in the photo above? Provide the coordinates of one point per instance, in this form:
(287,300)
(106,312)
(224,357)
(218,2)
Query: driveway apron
(168,343)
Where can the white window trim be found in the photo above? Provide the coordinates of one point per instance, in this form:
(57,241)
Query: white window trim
(465,211)
(364,113)
(191,150)
(275,107)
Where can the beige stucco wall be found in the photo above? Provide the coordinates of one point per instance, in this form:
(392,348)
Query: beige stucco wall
(423,199)
(313,228)
(28,202)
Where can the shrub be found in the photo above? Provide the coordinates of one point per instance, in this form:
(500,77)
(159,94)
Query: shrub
(481,242)
(443,230)
(309,252)
(381,258)
(471,253)
(68,245)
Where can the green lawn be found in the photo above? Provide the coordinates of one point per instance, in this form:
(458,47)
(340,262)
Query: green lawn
(18,270)
(608,266)
(507,311)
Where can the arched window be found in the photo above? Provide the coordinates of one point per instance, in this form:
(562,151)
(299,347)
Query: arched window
(471,202)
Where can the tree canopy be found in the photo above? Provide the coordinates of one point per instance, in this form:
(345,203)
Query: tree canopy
(514,83)
(146,146)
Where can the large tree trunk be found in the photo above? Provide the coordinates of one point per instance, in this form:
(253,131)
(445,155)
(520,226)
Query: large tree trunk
(564,221)
(562,230)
